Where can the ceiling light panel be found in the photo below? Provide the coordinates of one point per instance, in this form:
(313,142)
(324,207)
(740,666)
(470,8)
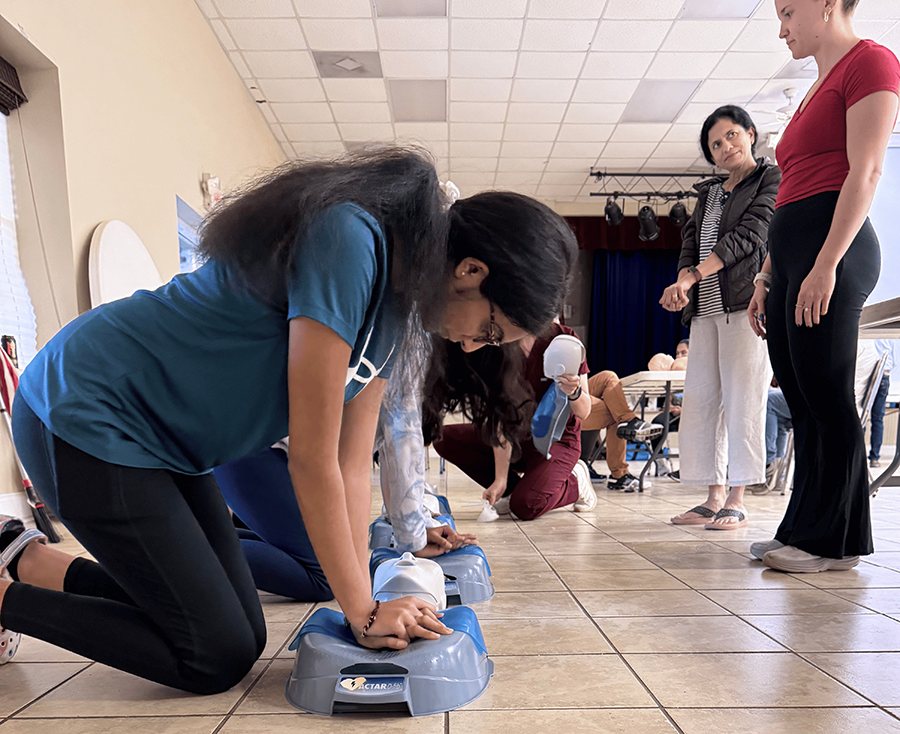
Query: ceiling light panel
(542,90)
(616,65)
(708,35)
(280,64)
(418,100)
(327,34)
(594,113)
(419,64)
(479,90)
(659,100)
(712,9)
(482,64)
(301,112)
(492,9)
(549,64)
(292,90)
(643,9)
(630,35)
(558,35)
(333,8)
(260,34)
(348,64)
(411,8)
(683,65)
(414,34)
(355,90)
(485,35)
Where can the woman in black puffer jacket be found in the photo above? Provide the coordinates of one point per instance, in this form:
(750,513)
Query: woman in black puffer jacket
(722,433)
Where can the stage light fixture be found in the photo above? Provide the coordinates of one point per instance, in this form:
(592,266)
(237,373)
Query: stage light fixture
(647,221)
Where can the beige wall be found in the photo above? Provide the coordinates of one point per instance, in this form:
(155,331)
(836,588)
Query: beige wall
(129,103)
(149,102)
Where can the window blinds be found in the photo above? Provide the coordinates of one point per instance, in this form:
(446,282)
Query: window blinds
(16,312)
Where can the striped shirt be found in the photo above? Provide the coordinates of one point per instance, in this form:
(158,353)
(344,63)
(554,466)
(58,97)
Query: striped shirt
(709,296)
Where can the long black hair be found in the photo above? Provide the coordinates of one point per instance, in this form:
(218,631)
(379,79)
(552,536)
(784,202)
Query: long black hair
(738,115)
(254,230)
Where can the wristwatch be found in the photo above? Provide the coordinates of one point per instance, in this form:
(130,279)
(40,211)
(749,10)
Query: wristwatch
(698,276)
(575,395)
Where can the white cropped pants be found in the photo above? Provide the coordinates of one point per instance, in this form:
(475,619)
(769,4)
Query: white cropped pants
(722,436)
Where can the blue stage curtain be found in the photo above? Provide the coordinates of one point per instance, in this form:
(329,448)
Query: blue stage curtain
(627,325)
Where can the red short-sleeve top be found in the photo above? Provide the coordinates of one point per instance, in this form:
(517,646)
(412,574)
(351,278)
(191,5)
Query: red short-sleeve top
(812,153)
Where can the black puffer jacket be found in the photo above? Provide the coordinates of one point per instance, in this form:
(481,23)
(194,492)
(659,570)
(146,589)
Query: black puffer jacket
(743,234)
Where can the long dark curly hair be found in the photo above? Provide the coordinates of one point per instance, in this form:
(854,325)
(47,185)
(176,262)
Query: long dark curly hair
(254,230)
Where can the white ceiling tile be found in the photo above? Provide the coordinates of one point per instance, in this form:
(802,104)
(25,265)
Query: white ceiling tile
(683,65)
(319,149)
(877,9)
(292,90)
(558,35)
(492,9)
(479,90)
(536,111)
(638,132)
(355,90)
(609,65)
(242,69)
(430,131)
(727,91)
(706,35)
(289,151)
(530,131)
(280,64)
(587,150)
(630,35)
(415,64)
(260,34)
(558,191)
(517,179)
(542,90)
(485,35)
(222,34)
(273,121)
(476,130)
(475,149)
(207,8)
(608,91)
(549,65)
(471,182)
(482,64)
(629,150)
(618,165)
(522,164)
(366,132)
(361,111)
(873,29)
(473,165)
(736,65)
(254,89)
(642,9)
(413,34)
(299,132)
(301,112)
(568,164)
(657,164)
(567,178)
(573,133)
(682,134)
(594,113)
(477,111)
(695,113)
(760,35)
(334,8)
(346,34)
(255,8)
(440,149)
(677,150)
(526,150)
(588,9)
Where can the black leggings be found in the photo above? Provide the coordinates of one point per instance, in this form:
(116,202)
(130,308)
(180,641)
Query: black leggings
(170,599)
(828,513)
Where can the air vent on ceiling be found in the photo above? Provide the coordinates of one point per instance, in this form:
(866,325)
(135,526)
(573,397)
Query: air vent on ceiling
(348,64)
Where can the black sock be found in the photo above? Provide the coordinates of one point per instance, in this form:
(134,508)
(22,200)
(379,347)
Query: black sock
(12,530)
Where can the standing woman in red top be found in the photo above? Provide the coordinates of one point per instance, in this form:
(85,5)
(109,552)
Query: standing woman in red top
(823,262)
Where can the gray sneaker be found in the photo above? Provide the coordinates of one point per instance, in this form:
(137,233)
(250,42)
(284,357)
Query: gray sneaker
(758,550)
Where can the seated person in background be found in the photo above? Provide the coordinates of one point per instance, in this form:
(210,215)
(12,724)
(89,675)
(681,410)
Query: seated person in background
(778,423)
(498,390)
(664,466)
(883,346)
(610,410)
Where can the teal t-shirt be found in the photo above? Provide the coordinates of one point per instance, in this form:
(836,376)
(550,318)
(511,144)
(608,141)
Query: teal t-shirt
(194,374)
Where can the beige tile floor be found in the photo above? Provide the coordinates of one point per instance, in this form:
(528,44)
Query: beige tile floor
(609,621)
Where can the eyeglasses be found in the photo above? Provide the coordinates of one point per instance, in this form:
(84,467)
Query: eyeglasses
(492,339)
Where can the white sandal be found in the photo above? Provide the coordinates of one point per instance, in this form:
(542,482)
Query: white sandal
(9,640)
